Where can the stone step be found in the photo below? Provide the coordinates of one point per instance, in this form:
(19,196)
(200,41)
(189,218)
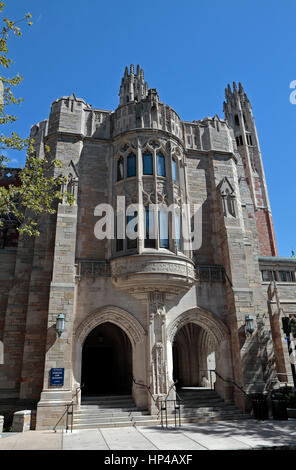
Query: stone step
(204,400)
(113,419)
(155,422)
(110,415)
(196,406)
(109,408)
(106,398)
(111,404)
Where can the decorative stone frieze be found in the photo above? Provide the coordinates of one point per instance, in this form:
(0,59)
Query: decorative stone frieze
(146,272)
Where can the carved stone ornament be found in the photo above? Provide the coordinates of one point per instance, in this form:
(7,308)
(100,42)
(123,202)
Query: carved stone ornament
(126,321)
(228,197)
(157,306)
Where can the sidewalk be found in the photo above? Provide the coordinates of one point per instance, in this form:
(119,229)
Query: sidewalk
(219,435)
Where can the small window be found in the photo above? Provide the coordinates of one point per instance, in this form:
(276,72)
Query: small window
(163,225)
(249,139)
(285,276)
(120,169)
(268,276)
(237,141)
(131,165)
(241,140)
(147,164)
(160,165)
(236,120)
(174,170)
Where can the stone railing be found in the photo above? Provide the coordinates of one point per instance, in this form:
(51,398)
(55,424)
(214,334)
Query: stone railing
(93,269)
(210,274)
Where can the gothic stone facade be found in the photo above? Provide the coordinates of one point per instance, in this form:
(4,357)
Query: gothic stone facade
(162,308)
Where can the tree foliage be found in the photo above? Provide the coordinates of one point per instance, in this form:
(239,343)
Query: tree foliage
(39,188)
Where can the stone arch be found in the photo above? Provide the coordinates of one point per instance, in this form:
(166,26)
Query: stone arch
(135,333)
(128,323)
(212,332)
(203,318)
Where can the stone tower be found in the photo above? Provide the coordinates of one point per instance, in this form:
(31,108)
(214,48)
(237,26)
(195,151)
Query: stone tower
(238,113)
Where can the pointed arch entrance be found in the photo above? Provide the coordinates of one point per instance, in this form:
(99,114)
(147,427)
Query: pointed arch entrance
(193,356)
(199,341)
(116,339)
(106,361)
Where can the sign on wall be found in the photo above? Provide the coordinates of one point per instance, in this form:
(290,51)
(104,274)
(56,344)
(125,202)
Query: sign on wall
(57,376)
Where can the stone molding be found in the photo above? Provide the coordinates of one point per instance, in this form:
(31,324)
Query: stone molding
(203,318)
(126,321)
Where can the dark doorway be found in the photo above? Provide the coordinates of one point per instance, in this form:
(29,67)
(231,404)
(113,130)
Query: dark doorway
(106,362)
(186,356)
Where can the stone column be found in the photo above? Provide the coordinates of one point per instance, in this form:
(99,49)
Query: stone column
(157,352)
(61,301)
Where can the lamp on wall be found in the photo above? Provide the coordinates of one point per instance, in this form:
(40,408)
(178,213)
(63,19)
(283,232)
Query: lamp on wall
(60,324)
(249,325)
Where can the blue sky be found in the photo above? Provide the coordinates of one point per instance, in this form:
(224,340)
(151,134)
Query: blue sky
(189,51)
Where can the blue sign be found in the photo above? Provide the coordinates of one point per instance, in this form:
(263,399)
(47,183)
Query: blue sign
(57,376)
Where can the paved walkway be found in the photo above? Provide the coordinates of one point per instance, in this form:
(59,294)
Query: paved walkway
(232,435)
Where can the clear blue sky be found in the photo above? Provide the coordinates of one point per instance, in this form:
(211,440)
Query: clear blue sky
(189,51)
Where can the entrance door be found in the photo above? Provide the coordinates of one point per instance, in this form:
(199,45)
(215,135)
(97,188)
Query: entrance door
(106,361)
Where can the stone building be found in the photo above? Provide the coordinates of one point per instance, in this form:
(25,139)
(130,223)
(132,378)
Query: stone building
(141,313)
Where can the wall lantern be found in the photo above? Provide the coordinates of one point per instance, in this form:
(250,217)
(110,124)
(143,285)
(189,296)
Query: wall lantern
(60,324)
(249,325)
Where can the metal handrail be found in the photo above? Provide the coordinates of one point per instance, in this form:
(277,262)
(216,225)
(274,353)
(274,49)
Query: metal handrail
(177,406)
(145,386)
(173,385)
(234,383)
(230,381)
(69,412)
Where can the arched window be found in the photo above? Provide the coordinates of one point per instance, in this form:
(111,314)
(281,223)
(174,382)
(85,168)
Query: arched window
(120,169)
(160,165)
(131,165)
(174,170)
(147,164)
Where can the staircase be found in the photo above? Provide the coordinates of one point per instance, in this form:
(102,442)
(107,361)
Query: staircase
(203,405)
(110,411)
(197,405)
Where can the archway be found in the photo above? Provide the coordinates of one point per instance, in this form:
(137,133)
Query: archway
(193,357)
(199,341)
(106,361)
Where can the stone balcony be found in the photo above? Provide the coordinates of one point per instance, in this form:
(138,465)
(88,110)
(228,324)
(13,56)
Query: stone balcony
(147,272)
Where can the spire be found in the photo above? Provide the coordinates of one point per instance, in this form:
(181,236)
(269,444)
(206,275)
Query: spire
(133,87)
(240,88)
